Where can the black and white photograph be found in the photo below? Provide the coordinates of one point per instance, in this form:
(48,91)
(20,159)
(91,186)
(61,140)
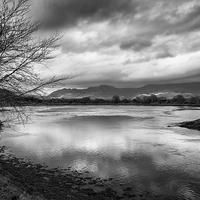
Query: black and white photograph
(99,100)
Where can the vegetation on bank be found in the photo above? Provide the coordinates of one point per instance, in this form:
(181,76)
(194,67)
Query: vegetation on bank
(151,100)
(195,125)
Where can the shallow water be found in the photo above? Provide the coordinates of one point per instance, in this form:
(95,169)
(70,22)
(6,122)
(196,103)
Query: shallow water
(132,145)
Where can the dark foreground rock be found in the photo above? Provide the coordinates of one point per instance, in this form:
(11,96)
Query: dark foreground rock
(191,124)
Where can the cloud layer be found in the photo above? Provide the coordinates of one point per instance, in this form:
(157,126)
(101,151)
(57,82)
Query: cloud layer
(71,12)
(125,42)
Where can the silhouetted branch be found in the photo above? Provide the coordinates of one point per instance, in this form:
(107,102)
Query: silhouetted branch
(21,47)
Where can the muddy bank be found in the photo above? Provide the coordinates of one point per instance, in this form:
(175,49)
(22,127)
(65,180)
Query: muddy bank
(195,125)
(10,187)
(37,181)
(24,180)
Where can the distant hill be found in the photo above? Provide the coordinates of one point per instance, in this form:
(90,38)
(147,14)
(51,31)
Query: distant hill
(105,91)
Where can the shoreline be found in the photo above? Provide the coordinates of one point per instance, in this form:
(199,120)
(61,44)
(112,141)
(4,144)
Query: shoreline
(119,104)
(10,187)
(25,104)
(24,180)
(113,105)
(37,182)
(194,125)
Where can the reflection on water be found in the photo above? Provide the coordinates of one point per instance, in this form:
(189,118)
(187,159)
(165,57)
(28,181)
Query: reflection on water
(131,144)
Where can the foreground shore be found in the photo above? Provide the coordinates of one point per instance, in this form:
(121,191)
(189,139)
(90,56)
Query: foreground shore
(23,180)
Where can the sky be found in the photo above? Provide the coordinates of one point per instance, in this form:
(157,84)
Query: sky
(124,43)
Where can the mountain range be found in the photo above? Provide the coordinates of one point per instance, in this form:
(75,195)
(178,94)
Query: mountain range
(106,91)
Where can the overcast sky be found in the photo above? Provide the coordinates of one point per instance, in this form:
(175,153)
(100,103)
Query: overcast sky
(125,43)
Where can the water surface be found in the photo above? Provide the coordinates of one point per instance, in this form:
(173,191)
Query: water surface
(133,145)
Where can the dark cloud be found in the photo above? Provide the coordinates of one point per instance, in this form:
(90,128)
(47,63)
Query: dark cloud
(70,12)
(164,54)
(190,22)
(131,51)
(117,82)
(137,44)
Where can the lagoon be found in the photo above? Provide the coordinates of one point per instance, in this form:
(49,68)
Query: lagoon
(135,147)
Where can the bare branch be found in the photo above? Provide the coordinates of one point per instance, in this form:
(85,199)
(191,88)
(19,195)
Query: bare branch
(21,47)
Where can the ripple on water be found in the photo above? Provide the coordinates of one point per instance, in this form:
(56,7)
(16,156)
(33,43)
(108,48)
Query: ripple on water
(132,146)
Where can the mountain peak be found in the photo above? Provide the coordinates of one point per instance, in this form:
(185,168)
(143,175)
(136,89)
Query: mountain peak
(106,91)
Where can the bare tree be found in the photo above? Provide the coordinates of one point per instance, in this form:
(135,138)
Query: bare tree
(21,47)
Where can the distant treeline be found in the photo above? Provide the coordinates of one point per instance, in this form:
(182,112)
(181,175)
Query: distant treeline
(115,100)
